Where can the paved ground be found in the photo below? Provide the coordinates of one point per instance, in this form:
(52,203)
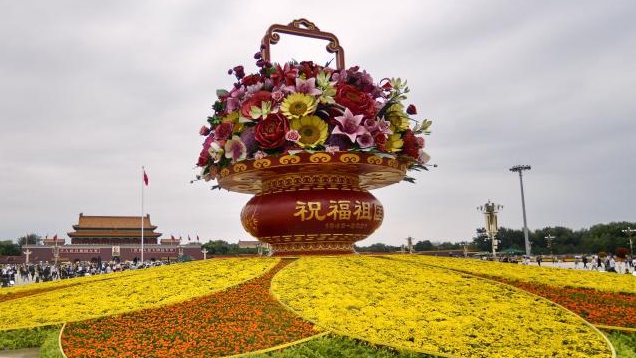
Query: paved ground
(20,353)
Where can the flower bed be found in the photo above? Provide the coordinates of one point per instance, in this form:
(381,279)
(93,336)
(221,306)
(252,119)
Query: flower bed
(241,319)
(596,299)
(600,308)
(432,310)
(552,276)
(130,291)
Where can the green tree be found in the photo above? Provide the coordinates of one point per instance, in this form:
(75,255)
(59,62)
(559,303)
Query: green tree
(379,247)
(425,245)
(481,241)
(9,248)
(30,239)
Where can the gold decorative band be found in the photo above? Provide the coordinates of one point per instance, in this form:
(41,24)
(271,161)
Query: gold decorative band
(344,247)
(292,182)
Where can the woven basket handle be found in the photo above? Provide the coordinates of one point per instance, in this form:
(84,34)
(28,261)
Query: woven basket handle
(305,28)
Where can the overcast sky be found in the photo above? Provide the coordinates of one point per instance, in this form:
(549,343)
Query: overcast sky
(92,90)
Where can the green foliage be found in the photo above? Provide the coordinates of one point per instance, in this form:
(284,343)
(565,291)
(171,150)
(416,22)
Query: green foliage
(340,347)
(8,248)
(425,245)
(29,239)
(27,337)
(379,247)
(50,347)
(222,247)
(600,237)
(625,344)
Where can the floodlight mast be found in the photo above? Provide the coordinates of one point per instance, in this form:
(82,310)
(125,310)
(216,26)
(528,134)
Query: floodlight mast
(520,169)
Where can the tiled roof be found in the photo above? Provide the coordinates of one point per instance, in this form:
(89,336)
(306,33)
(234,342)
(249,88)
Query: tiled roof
(113,233)
(120,222)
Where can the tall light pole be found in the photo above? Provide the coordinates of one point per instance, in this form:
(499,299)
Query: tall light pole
(490,212)
(520,169)
(629,232)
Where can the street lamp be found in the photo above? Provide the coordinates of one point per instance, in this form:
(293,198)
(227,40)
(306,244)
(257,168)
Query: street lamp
(56,252)
(205,253)
(520,169)
(549,239)
(490,212)
(629,232)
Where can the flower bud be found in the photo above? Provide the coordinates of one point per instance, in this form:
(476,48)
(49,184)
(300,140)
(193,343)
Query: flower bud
(411,109)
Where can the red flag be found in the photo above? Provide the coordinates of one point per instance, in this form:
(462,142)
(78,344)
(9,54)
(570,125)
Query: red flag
(189,238)
(145,178)
(197,237)
(55,237)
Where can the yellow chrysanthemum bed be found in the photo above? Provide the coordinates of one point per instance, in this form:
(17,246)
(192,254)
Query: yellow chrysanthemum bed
(123,292)
(432,310)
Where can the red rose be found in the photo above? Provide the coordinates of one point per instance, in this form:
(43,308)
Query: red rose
(357,101)
(380,141)
(256,100)
(411,109)
(270,132)
(411,145)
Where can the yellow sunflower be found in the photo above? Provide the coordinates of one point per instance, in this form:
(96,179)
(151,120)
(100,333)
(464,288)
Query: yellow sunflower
(394,143)
(297,105)
(312,130)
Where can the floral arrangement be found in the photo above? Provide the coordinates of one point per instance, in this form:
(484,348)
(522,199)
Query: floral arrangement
(301,106)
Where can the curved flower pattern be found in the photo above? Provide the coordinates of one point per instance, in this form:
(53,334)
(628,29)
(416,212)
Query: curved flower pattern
(601,299)
(241,319)
(304,106)
(128,291)
(432,310)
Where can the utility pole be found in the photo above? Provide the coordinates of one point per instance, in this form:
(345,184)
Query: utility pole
(520,169)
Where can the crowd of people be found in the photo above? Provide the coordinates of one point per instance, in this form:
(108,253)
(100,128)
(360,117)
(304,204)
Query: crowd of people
(45,271)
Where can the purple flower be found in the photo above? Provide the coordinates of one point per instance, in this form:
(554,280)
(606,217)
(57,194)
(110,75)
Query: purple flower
(247,137)
(371,125)
(365,140)
(339,140)
(350,125)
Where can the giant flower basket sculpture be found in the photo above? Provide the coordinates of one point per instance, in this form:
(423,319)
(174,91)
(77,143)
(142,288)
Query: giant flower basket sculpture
(309,142)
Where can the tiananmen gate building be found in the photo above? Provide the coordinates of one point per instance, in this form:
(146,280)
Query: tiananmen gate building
(107,238)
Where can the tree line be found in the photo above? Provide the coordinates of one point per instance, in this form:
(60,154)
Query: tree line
(606,238)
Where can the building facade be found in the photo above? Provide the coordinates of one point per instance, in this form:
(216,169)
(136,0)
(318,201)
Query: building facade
(109,238)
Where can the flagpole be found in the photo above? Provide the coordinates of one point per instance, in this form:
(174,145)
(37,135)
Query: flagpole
(143,173)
